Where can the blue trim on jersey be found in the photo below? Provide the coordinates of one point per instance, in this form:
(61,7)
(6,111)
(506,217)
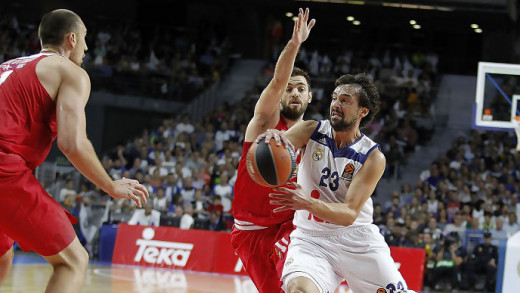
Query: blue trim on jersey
(346,152)
(368,153)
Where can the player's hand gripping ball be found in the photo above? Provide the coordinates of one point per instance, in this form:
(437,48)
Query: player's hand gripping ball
(270,165)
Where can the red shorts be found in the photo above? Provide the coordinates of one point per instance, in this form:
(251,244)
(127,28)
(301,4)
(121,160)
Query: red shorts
(28,214)
(263,254)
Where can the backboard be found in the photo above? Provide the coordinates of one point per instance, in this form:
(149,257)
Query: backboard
(497,100)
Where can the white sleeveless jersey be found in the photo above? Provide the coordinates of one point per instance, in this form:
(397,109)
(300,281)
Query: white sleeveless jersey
(325,172)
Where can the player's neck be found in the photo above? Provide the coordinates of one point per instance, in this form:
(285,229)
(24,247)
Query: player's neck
(290,123)
(49,49)
(346,138)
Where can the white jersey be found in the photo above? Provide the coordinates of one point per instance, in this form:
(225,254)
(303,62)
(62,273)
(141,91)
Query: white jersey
(325,172)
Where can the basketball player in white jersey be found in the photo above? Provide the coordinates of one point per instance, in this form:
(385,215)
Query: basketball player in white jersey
(335,238)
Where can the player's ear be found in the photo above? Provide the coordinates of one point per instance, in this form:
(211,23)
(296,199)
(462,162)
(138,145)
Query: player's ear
(310,97)
(71,39)
(365,111)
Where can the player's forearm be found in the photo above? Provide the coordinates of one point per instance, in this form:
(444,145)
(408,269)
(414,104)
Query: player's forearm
(285,64)
(335,213)
(82,155)
(270,98)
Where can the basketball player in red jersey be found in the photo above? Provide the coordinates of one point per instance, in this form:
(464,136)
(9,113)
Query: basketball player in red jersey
(42,97)
(259,236)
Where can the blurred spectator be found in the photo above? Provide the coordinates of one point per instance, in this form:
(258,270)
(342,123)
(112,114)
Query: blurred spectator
(146,216)
(225,191)
(187,218)
(434,229)
(498,232)
(215,222)
(216,205)
(185,125)
(458,225)
(432,201)
(488,223)
(93,212)
(473,235)
(511,226)
(200,206)
(68,195)
(160,202)
(187,191)
(396,238)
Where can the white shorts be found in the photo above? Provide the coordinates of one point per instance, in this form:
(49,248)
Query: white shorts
(360,256)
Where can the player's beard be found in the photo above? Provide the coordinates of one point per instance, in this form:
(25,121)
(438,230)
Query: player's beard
(292,113)
(342,125)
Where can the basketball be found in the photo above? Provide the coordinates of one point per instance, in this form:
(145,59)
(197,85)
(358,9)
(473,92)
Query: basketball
(270,165)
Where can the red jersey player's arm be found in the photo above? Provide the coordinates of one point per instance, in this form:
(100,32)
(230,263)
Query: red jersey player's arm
(267,109)
(71,100)
(72,140)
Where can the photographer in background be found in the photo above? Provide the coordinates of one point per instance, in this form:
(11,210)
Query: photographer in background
(449,257)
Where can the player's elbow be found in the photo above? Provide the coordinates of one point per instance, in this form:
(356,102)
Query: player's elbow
(349,218)
(347,221)
(68,145)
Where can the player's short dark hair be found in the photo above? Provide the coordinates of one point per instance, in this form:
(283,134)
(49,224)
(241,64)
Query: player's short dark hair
(300,72)
(56,24)
(368,97)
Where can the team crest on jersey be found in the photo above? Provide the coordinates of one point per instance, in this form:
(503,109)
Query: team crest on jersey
(278,252)
(318,154)
(348,172)
(295,173)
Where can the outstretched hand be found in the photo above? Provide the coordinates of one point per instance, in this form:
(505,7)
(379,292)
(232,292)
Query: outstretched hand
(290,199)
(131,189)
(277,135)
(302,27)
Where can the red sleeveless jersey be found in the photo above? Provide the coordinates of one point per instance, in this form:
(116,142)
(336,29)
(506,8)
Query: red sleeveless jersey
(27,112)
(251,201)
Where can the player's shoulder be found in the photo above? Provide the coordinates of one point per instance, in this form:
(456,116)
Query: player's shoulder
(377,156)
(64,66)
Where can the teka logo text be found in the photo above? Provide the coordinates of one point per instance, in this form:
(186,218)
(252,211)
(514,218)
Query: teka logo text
(162,252)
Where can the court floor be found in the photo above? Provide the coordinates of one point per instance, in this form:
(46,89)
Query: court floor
(30,273)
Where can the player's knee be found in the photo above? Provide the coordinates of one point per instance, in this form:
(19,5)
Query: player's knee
(7,258)
(74,259)
(6,261)
(82,259)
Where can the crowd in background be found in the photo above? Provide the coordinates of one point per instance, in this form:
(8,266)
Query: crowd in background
(150,61)
(459,210)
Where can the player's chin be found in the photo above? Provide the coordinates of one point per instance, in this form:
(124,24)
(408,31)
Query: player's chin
(335,119)
(77,61)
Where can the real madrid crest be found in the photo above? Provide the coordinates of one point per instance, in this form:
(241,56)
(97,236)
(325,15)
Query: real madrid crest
(318,154)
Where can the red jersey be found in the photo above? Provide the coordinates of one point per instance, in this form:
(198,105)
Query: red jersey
(27,112)
(251,205)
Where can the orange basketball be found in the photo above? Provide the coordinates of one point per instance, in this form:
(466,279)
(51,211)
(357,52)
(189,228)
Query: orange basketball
(270,165)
